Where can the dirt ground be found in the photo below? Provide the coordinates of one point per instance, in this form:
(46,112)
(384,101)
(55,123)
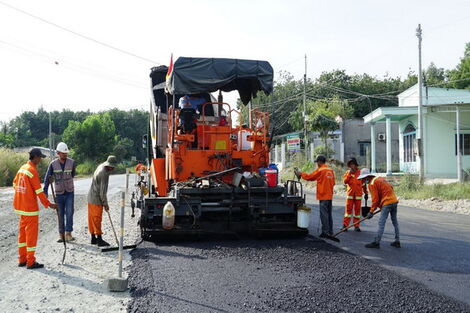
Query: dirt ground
(76,286)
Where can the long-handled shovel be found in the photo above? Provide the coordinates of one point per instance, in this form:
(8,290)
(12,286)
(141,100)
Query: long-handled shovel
(62,234)
(115,236)
(358,222)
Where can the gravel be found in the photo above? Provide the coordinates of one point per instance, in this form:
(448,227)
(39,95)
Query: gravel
(270,276)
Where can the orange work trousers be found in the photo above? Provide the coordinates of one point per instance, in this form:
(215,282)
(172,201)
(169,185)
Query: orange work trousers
(27,238)
(95,215)
(352,210)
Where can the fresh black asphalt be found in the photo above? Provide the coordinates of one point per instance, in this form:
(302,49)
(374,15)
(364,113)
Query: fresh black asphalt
(247,275)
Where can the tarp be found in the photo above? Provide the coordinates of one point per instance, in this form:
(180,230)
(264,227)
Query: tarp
(201,75)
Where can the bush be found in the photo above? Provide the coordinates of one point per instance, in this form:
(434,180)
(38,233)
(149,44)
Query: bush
(10,163)
(326,151)
(88,168)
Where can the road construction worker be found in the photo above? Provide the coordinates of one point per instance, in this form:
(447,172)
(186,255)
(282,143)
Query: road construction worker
(63,170)
(384,201)
(325,178)
(27,189)
(353,195)
(97,200)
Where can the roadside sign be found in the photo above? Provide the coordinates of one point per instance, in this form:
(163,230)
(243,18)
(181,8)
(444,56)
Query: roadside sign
(293,142)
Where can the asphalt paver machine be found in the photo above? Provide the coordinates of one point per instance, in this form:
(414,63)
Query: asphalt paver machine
(207,162)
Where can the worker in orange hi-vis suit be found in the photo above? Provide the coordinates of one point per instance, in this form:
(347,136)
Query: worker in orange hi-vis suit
(27,189)
(353,194)
(384,199)
(325,178)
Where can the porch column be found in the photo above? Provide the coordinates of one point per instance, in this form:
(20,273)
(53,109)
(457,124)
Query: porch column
(372,147)
(388,140)
(459,152)
(276,154)
(283,155)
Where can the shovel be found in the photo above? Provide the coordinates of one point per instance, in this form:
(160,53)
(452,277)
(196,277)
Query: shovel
(358,222)
(115,236)
(62,235)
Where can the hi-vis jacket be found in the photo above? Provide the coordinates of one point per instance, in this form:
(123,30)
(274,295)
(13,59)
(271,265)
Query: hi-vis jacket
(354,185)
(381,193)
(325,178)
(27,189)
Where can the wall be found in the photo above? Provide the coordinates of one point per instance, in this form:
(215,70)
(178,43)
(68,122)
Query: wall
(440,160)
(355,131)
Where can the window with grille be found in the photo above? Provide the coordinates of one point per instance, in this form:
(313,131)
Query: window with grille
(364,146)
(464,144)
(409,143)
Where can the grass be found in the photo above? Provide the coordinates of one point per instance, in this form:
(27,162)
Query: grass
(88,168)
(11,161)
(409,188)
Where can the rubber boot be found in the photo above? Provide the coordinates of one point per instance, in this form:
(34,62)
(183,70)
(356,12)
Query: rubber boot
(93,240)
(35,265)
(101,242)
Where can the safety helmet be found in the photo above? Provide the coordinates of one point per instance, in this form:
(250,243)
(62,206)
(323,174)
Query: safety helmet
(62,147)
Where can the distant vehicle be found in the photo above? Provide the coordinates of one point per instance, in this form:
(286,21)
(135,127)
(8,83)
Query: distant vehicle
(214,173)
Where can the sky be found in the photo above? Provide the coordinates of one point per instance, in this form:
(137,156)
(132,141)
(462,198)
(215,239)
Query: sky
(42,65)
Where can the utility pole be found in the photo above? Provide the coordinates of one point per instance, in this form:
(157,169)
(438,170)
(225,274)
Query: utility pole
(305,110)
(50,136)
(420,109)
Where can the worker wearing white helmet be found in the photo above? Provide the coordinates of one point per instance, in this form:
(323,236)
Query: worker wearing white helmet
(63,171)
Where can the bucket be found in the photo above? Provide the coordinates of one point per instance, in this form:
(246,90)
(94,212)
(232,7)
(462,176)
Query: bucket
(271,177)
(303,217)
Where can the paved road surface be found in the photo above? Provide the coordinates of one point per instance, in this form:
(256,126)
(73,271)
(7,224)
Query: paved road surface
(435,246)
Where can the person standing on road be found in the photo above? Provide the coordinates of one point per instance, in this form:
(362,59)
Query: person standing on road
(325,178)
(383,198)
(27,190)
(97,200)
(354,195)
(63,170)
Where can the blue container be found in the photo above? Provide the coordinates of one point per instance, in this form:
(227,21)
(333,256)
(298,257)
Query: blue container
(262,170)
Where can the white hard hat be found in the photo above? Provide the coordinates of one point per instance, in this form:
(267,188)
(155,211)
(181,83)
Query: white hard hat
(62,147)
(364,173)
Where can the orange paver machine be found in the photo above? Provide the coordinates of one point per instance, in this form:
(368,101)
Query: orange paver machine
(205,160)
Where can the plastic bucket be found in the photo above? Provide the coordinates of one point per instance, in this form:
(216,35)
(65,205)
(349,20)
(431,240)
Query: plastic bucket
(271,177)
(303,217)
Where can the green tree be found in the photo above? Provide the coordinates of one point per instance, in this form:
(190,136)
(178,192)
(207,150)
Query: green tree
(123,148)
(434,75)
(93,139)
(460,76)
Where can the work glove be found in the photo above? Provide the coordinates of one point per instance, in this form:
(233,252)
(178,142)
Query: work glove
(297,173)
(369,215)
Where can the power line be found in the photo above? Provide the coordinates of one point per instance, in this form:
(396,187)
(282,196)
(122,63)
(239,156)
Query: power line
(78,34)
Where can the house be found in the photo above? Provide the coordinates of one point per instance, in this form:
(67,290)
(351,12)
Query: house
(446,121)
(352,139)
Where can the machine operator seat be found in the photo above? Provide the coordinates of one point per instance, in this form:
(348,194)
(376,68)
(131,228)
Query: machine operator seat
(188,117)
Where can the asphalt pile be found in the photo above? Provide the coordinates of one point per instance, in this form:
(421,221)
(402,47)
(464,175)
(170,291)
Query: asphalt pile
(271,276)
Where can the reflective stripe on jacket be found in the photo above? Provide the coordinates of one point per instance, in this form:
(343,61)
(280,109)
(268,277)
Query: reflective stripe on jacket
(325,178)
(63,179)
(27,190)
(381,193)
(354,185)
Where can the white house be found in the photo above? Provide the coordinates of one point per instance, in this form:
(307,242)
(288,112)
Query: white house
(446,121)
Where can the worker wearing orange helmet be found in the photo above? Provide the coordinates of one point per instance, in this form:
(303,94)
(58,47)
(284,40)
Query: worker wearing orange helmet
(353,194)
(384,199)
(27,189)
(325,178)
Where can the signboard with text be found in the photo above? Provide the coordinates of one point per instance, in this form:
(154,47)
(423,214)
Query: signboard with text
(293,142)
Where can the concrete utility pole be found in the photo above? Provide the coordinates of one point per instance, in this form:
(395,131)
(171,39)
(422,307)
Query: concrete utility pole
(50,137)
(420,109)
(305,110)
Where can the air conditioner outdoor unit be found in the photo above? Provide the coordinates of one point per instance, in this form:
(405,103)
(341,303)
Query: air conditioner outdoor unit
(381,137)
